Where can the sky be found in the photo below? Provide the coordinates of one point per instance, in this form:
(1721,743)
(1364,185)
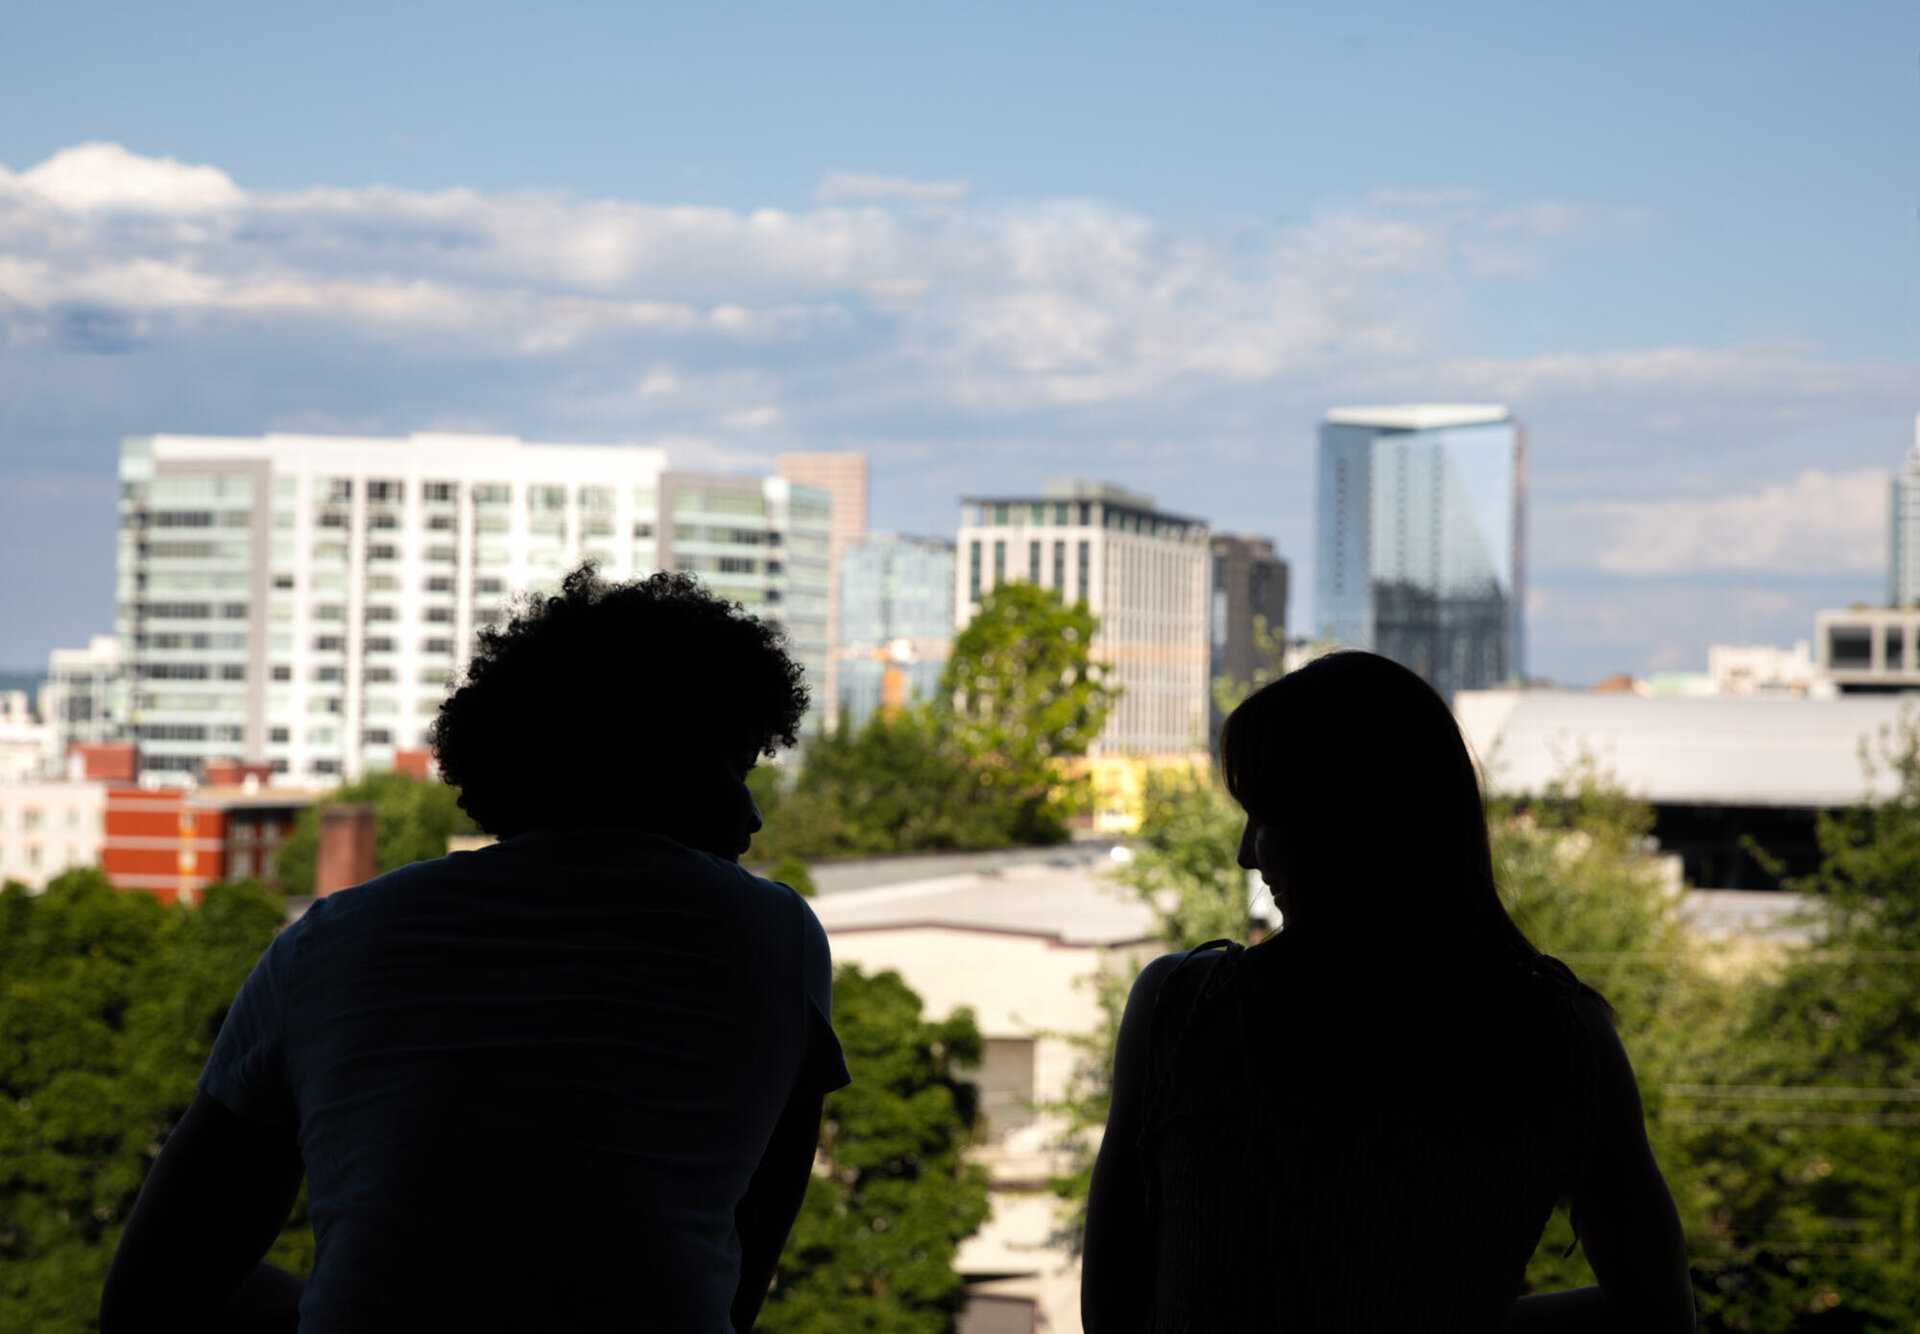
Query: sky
(991,245)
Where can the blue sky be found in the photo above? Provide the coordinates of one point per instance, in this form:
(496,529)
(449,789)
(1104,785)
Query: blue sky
(992,244)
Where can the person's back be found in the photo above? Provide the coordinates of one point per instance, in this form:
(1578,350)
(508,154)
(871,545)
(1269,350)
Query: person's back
(1364,1123)
(570,1081)
(1307,1171)
(543,1073)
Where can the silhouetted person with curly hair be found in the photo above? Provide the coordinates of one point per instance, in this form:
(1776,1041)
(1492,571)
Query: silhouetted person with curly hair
(1363,1122)
(571,1081)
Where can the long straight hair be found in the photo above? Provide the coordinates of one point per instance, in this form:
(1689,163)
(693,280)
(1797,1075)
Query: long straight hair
(1360,769)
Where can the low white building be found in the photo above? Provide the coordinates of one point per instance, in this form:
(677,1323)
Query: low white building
(1018,939)
(49,826)
(1759,669)
(1778,751)
(29,749)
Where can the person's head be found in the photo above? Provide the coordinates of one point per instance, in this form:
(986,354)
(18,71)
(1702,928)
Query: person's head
(638,705)
(1363,809)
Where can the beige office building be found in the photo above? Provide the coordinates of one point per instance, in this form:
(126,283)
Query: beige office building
(1145,573)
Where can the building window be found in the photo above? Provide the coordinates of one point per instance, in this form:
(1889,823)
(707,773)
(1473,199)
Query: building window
(999,563)
(440,583)
(492,493)
(973,569)
(1033,562)
(437,646)
(546,497)
(1850,646)
(379,645)
(279,736)
(1086,562)
(1006,1085)
(1060,566)
(386,492)
(328,644)
(1000,518)
(282,672)
(375,736)
(1894,643)
(338,490)
(437,493)
(233,671)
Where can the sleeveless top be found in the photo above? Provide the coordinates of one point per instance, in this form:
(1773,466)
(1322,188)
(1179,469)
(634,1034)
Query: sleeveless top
(1356,1175)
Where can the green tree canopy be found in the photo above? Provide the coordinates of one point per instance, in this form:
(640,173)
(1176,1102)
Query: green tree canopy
(109,1005)
(893,1196)
(1027,694)
(898,784)
(1806,1143)
(413,819)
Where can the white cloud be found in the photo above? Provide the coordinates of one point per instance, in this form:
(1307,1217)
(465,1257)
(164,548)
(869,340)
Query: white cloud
(969,344)
(1820,523)
(101,176)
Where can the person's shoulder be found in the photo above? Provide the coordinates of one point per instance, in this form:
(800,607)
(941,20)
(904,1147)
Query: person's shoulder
(1176,973)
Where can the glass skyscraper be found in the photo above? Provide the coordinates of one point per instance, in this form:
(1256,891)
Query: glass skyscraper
(1419,539)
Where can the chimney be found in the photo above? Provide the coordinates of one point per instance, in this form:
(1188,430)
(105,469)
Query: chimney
(111,763)
(414,763)
(346,847)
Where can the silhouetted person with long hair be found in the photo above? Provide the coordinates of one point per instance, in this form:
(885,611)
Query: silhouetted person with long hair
(1364,1121)
(571,1081)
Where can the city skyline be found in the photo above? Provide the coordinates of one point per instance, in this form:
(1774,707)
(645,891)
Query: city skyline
(1026,268)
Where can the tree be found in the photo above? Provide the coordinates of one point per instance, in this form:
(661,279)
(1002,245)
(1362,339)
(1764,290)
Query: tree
(1185,868)
(892,1197)
(1025,695)
(109,1005)
(899,784)
(1806,1150)
(413,819)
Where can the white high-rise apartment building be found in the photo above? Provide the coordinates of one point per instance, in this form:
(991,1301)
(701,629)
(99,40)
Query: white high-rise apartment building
(1146,574)
(304,601)
(1903,547)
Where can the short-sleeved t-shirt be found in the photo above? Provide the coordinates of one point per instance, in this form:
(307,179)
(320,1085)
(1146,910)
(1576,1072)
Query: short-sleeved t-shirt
(531,1083)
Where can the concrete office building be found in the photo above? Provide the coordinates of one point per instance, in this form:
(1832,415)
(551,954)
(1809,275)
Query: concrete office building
(1419,541)
(1875,650)
(303,601)
(843,476)
(896,623)
(1145,573)
(1903,536)
(1248,615)
(85,697)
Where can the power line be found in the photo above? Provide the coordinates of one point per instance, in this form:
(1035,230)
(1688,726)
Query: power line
(1782,1092)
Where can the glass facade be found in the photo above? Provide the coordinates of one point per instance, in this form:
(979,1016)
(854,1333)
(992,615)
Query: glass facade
(896,622)
(1418,545)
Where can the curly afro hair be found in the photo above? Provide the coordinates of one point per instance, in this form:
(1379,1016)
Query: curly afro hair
(588,702)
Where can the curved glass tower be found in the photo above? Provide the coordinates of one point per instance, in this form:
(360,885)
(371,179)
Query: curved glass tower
(1419,539)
